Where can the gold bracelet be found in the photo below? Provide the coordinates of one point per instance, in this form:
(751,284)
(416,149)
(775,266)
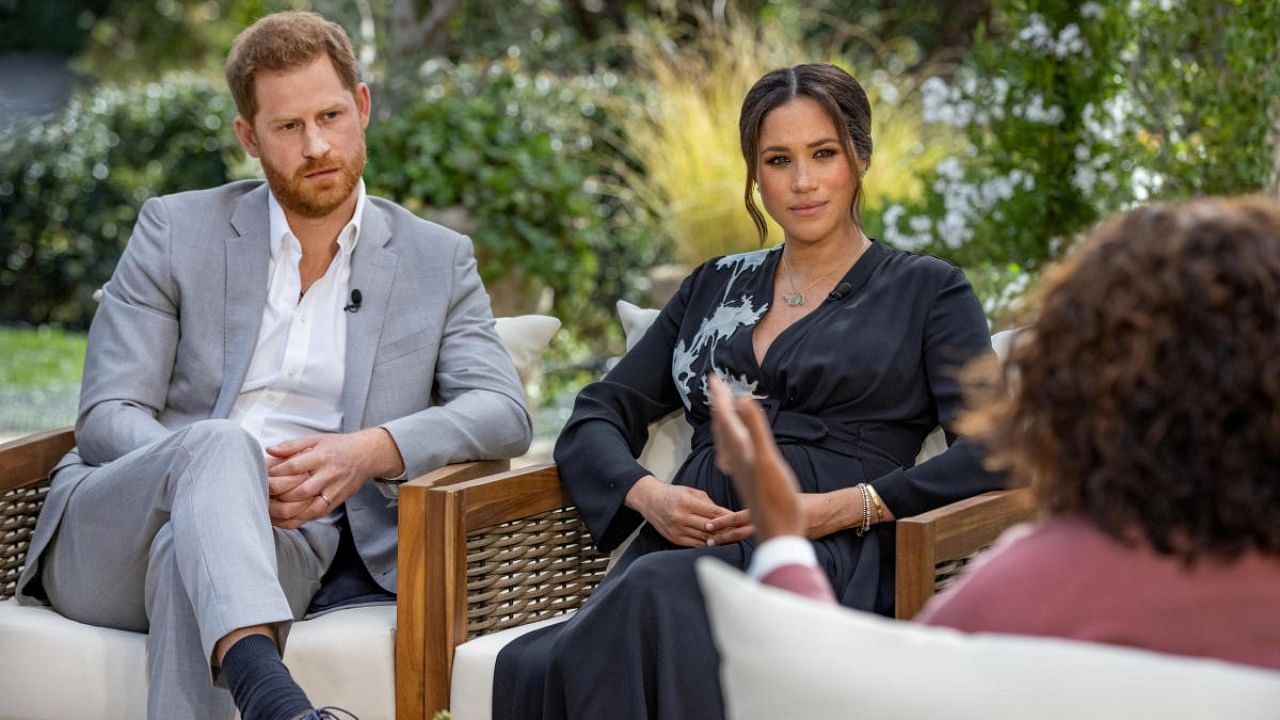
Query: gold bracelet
(866,510)
(875,498)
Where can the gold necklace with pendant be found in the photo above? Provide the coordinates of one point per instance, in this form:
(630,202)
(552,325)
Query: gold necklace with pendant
(796,297)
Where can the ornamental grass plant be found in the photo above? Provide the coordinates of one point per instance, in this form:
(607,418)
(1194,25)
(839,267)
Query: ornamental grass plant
(683,138)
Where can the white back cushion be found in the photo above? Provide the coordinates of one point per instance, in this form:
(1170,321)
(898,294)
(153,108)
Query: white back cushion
(669,437)
(786,656)
(936,441)
(526,338)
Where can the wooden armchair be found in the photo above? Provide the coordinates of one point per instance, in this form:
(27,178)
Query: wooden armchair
(509,549)
(24,469)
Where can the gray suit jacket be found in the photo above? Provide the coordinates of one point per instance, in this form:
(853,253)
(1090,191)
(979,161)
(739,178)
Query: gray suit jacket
(172,341)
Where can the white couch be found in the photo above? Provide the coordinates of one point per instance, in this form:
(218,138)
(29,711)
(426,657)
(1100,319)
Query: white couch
(52,668)
(785,656)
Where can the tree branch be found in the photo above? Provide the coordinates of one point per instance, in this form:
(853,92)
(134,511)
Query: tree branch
(412,31)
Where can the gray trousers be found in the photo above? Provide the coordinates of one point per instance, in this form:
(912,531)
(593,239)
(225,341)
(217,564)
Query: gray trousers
(174,540)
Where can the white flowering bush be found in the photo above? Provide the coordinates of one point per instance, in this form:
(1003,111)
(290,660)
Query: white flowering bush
(1072,111)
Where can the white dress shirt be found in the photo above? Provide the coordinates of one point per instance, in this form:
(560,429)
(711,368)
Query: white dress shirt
(294,384)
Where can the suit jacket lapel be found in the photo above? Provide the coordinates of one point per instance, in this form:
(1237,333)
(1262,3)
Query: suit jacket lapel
(373,271)
(248,258)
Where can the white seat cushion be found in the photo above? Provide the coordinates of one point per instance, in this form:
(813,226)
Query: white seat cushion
(471,686)
(52,668)
(347,658)
(783,655)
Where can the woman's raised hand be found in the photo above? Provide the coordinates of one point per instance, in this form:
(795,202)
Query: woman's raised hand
(746,451)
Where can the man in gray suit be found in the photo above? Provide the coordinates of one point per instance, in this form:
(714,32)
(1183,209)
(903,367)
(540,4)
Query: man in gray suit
(266,357)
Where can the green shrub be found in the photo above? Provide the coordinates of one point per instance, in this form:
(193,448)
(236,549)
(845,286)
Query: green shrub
(686,141)
(1073,111)
(518,151)
(70,188)
(58,27)
(527,156)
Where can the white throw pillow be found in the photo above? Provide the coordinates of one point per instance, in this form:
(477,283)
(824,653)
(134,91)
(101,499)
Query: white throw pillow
(526,337)
(936,442)
(786,656)
(669,437)
(635,321)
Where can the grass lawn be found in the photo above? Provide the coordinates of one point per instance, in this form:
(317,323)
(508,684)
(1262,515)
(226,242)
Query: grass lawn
(39,378)
(39,358)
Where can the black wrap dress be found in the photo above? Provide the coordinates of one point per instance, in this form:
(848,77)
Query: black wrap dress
(851,390)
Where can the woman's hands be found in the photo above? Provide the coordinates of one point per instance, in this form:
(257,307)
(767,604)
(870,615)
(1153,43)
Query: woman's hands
(681,514)
(747,452)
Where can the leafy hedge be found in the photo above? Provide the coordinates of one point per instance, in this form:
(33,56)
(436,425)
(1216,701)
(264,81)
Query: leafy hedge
(527,155)
(520,152)
(1073,111)
(70,188)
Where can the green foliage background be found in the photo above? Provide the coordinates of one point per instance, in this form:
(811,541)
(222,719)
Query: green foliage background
(528,156)
(1073,111)
(1065,111)
(70,188)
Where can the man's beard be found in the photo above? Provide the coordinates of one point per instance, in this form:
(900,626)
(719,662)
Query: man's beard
(311,199)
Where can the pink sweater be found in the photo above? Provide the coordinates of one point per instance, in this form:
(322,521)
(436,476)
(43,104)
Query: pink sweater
(1065,578)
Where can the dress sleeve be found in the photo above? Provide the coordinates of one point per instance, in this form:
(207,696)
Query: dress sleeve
(955,333)
(597,449)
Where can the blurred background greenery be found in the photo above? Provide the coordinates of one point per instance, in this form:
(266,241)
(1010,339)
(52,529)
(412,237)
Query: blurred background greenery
(582,143)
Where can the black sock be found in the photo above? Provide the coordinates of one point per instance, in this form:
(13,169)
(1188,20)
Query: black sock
(259,682)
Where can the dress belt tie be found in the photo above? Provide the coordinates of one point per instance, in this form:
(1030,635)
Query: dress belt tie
(851,439)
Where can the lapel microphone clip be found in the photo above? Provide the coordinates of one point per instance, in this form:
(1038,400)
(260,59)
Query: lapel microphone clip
(354,305)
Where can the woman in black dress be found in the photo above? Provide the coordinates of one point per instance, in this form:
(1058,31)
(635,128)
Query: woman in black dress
(850,347)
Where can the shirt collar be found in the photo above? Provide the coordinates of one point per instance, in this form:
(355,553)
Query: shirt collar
(279,224)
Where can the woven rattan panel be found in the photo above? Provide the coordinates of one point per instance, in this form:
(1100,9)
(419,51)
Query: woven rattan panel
(945,573)
(18,511)
(531,569)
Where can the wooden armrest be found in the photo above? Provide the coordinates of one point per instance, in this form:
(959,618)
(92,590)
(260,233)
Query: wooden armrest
(457,472)
(28,460)
(950,532)
(411,533)
(506,550)
(504,497)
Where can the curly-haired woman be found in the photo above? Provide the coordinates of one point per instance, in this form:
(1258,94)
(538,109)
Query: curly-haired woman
(1145,414)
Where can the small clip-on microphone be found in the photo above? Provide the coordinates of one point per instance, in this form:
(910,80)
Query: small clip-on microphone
(354,305)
